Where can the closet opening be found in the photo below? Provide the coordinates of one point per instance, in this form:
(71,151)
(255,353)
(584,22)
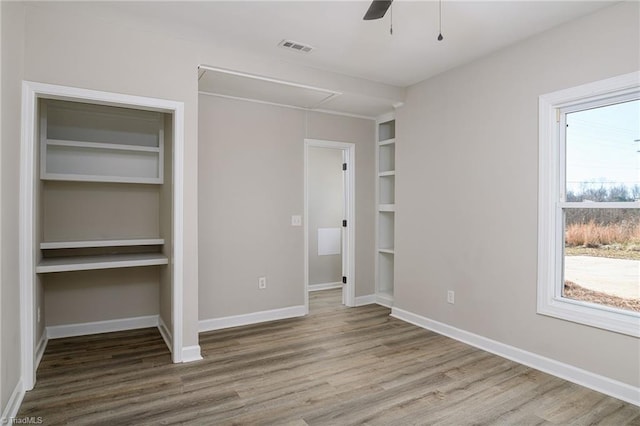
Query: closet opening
(101,217)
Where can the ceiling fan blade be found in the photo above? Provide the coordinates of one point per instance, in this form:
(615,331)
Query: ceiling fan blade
(377,9)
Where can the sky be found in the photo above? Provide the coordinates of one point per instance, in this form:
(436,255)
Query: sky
(603,146)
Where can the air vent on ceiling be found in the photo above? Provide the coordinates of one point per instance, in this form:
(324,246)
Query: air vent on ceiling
(294,45)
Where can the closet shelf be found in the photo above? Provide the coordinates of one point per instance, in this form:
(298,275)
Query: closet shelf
(387,173)
(387,142)
(386,250)
(52,245)
(102,146)
(86,263)
(387,207)
(71,177)
(83,145)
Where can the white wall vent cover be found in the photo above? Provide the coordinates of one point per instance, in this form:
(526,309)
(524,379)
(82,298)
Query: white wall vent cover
(294,45)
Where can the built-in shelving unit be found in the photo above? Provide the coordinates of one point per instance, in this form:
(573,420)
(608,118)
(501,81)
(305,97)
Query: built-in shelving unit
(93,143)
(98,145)
(104,225)
(385,184)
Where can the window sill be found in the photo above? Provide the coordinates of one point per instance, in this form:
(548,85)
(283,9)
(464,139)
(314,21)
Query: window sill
(594,315)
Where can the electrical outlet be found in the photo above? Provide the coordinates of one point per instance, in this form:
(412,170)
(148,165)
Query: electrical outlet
(296,220)
(262,282)
(451,297)
(38,314)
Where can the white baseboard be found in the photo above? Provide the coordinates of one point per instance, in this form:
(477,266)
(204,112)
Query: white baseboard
(324,286)
(13,404)
(191,353)
(369,299)
(568,372)
(83,329)
(40,348)
(165,333)
(252,318)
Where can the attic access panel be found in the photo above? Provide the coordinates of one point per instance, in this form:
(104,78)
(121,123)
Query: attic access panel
(222,82)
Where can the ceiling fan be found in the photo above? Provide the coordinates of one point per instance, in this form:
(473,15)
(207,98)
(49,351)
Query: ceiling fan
(378,8)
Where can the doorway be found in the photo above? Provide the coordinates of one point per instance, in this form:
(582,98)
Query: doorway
(329,218)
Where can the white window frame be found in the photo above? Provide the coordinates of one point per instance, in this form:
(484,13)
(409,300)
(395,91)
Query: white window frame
(553,108)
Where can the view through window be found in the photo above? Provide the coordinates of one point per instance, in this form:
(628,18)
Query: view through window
(601,182)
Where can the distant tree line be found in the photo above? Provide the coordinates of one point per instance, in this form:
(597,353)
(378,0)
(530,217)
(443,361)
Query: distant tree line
(618,193)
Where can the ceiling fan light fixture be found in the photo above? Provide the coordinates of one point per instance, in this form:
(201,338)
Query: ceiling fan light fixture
(440,38)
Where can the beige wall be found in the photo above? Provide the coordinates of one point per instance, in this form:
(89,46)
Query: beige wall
(12,71)
(84,296)
(76,211)
(251,165)
(324,181)
(467,188)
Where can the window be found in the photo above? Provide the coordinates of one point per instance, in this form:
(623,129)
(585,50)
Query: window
(589,204)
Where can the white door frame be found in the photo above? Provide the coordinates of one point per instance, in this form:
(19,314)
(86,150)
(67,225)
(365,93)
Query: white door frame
(349,156)
(31,92)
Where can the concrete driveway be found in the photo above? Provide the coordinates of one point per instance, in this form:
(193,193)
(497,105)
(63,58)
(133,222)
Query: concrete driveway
(619,277)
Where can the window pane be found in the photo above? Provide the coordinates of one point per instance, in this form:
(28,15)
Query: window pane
(603,153)
(602,257)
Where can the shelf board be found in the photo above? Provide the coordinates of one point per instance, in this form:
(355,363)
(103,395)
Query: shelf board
(387,142)
(70,177)
(86,263)
(102,146)
(51,245)
(386,250)
(387,207)
(387,173)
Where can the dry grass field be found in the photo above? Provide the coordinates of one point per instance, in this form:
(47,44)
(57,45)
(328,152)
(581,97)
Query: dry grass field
(625,234)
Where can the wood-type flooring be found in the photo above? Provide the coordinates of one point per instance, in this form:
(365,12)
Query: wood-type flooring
(337,366)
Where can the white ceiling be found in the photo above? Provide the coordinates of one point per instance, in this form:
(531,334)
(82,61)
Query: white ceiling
(366,66)
(346,44)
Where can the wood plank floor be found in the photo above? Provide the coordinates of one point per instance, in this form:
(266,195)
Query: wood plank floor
(338,366)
